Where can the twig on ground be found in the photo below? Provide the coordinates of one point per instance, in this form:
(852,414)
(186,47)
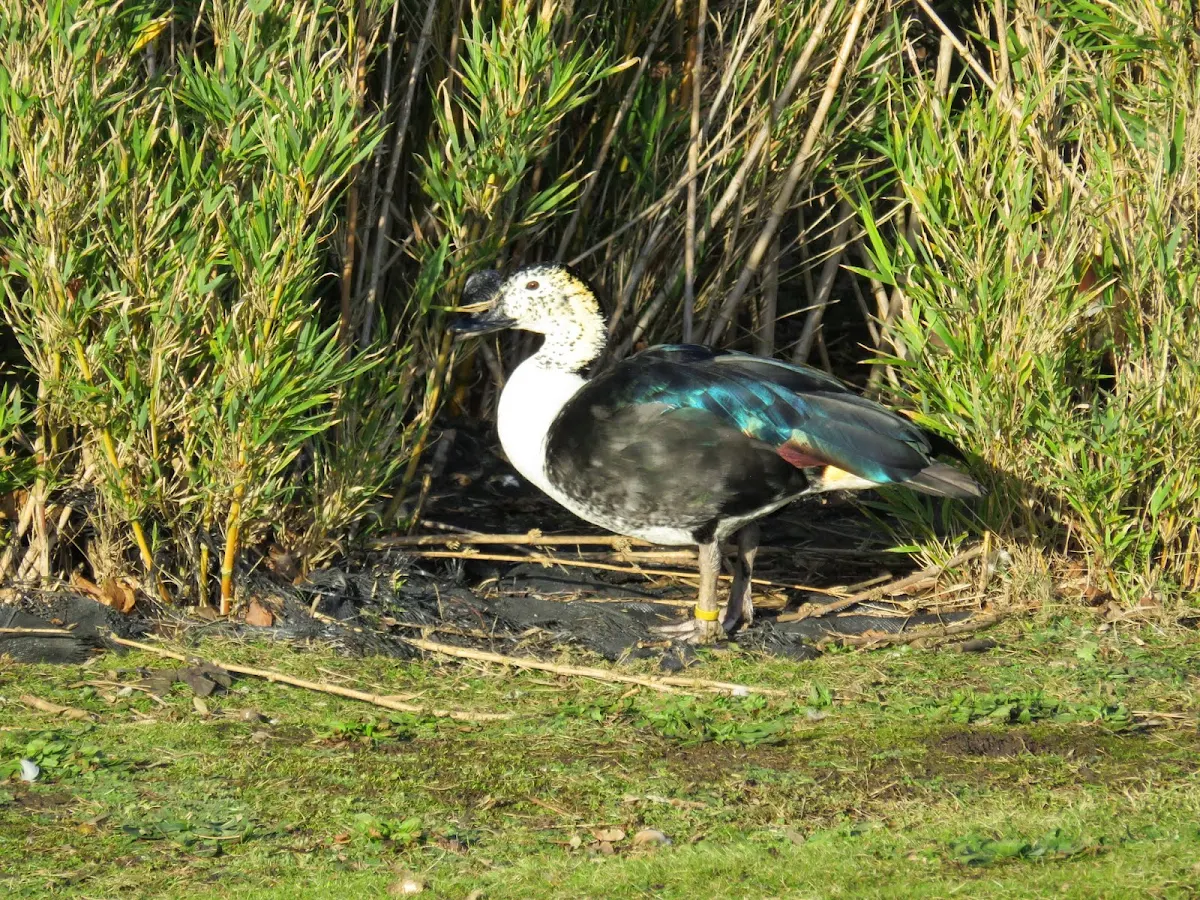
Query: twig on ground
(665,683)
(55,632)
(320,687)
(447,629)
(869,583)
(1176,720)
(46,706)
(882,639)
(550,806)
(465,537)
(891,589)
(531,537)
(547,560)
(522,662)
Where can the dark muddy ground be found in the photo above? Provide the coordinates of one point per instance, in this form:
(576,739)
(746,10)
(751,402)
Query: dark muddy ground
(370,602)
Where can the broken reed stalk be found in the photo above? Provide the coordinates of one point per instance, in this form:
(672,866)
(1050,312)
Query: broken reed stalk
(24,521)
(531,537)
(693,166)
(666,683)
(889,589)
(389,188)
(52,632)
(609,567)
(783,202)
(318,686)
(53,708)
(37,553)
(641,557)
(202,574)
(232,529)
(593,178)
(535,537)
(829,272)
(881,639)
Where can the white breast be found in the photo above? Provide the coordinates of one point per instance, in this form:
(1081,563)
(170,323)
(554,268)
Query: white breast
(532,397)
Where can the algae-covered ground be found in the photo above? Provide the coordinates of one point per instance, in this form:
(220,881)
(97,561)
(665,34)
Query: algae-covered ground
(1061,761)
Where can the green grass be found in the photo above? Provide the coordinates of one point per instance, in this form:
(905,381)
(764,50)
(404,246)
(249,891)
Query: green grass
(1027,770)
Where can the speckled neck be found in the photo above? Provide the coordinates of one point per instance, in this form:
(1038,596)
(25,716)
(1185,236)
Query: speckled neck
(575,339)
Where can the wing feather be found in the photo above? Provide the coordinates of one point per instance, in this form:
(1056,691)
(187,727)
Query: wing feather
(810,418)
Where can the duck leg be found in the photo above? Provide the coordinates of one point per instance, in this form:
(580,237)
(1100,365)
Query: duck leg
(705,627)
(740,608)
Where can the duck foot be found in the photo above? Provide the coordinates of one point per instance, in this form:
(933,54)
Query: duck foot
(706,627)
(694,631)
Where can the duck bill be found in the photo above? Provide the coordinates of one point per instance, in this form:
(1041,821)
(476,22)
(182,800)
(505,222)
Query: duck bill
(483,323)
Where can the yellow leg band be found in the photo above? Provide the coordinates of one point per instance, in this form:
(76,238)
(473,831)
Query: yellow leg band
(706,615)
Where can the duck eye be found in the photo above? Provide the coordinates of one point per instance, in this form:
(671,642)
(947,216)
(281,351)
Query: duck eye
(531,286)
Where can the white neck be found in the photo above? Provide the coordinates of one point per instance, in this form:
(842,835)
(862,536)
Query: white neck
(542,385)
(533,396)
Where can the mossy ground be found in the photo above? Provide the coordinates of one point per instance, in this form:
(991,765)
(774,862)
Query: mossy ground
(1061,762)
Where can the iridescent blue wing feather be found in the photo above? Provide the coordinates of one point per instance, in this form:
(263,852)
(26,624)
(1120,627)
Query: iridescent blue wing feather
(808,417)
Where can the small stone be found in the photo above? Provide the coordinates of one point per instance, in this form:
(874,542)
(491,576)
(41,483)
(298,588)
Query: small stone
(253,716)
(977,645)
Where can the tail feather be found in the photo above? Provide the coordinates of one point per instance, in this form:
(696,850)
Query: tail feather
(942,480)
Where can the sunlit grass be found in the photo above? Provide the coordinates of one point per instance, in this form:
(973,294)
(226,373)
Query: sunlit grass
(883,786)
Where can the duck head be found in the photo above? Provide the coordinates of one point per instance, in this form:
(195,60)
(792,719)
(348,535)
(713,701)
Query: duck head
(546,299)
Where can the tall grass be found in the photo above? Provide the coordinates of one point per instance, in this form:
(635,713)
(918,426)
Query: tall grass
(230,234)
(164,230)
(1051,305)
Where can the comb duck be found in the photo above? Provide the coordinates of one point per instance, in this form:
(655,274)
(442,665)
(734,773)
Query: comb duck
(682,444)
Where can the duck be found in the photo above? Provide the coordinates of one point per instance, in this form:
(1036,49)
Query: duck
(681,444)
